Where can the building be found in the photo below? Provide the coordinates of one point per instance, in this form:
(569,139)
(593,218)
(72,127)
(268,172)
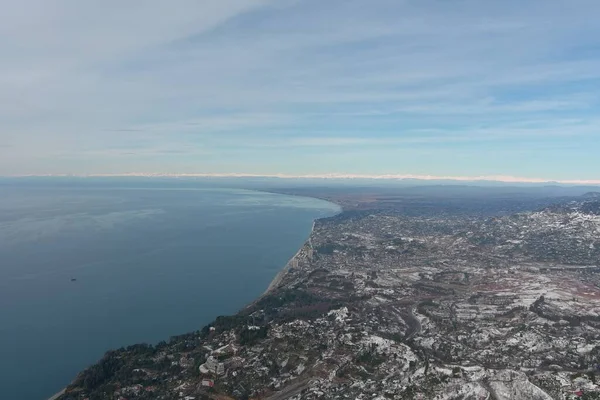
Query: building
(212,366)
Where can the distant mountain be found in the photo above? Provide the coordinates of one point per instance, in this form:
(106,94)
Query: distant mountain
(591,195)
(590,207)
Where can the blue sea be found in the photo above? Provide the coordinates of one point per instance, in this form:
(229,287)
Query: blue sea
(87,266)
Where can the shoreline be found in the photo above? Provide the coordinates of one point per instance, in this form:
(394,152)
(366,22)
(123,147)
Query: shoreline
(279,277)
(57,395)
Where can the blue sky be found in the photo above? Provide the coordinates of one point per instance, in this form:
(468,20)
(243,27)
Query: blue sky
(301,87)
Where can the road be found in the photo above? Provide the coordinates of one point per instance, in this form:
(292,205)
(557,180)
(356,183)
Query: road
(290,391)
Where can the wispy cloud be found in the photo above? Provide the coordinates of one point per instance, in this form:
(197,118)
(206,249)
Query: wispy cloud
(251,85)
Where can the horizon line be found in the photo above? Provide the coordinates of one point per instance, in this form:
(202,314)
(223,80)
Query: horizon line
(340,176)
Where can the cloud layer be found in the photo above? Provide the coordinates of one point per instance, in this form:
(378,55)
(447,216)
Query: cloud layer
(301,87)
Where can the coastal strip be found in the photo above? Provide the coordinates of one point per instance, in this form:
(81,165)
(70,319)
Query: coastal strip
(279,277)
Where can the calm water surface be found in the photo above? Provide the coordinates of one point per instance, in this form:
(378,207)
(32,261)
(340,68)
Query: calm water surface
(147,263)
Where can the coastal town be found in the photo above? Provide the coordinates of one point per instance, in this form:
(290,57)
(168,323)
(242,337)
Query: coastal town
(379,304)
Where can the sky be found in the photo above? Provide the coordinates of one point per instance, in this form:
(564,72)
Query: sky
(425,88)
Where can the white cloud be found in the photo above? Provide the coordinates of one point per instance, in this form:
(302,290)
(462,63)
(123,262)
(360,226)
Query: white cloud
(342,176)
(200,77)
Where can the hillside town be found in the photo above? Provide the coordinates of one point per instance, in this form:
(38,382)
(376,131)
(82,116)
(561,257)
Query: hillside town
(381,305)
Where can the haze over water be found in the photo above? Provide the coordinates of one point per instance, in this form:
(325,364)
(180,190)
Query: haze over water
(149,262)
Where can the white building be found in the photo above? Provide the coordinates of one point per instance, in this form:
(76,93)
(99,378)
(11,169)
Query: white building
(212,366)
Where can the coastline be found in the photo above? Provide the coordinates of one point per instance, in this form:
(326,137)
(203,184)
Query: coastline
(274,284)
(57,395)
(279,277)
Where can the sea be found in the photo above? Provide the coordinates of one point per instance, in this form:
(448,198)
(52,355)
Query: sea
(87,266)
